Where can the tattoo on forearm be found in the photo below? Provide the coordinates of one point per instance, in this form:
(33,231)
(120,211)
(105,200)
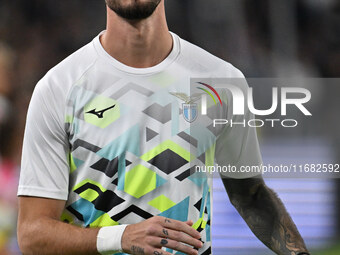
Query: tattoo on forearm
(157,253)
(137,249)
(165,232)
(167,220)
(288,236)
(164,242)
(268,219)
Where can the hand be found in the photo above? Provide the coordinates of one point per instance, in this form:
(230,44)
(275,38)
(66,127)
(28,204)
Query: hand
(148,237)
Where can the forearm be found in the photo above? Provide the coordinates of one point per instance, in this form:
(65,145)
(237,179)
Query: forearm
(48,236)
(269,220)
(41,233)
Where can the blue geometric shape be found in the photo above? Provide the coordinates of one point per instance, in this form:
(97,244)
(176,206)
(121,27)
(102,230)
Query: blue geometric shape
(207,231)
(199,178)
(75,125)
(178,212)
(169,250)
(160,181)
(78,162)
(129,141)
(87,209)
(204,198)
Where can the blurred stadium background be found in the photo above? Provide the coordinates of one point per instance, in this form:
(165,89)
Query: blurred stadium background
(263,38)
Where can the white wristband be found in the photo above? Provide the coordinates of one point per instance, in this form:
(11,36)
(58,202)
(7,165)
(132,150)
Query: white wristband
(109,239)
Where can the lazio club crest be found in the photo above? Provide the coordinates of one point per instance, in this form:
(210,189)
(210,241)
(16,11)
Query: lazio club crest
(189,112)
(190,109)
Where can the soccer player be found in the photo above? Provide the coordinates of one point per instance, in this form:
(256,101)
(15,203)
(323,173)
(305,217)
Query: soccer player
(109,147)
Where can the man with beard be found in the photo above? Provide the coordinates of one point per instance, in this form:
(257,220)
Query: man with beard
(107,155)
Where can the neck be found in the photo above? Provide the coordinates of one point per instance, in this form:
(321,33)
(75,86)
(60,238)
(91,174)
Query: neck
(139,44)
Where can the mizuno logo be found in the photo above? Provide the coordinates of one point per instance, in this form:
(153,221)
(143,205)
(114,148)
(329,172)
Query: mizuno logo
(100,114)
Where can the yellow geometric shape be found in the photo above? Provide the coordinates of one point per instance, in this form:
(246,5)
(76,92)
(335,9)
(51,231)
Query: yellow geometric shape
(139,181)
(162,203)
(210,155)
(69,119)
(198,223)
(163,79)
(204,223)
(89,195)
(72,165)
(66,217)
(103,221)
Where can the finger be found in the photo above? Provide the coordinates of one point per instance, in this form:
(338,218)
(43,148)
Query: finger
(181,226)
(180,237)
(189,222)
(159,252)
(177,246)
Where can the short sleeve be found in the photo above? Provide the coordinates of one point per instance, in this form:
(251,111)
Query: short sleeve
(237,146)
(44,165)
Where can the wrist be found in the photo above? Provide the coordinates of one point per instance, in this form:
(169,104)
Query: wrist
(109,239)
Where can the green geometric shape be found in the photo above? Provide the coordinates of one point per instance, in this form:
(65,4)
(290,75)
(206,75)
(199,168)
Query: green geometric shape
(101,111)
(69,119)
(163,79)
(89,195)
(139,181)
(103,221)
(198,223)
(210,155)
(74,163)
(162,203)
(66,217)
(204,223)
(71,163)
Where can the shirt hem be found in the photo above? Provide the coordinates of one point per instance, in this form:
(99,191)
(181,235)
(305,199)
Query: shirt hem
(43,193)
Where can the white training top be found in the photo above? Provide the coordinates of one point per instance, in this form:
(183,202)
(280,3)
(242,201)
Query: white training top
(121,144)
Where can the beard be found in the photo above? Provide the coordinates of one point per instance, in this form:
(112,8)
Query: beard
(136,10)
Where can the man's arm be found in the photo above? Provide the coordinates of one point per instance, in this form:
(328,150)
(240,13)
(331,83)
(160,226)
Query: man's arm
(40,232)
(265,215)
